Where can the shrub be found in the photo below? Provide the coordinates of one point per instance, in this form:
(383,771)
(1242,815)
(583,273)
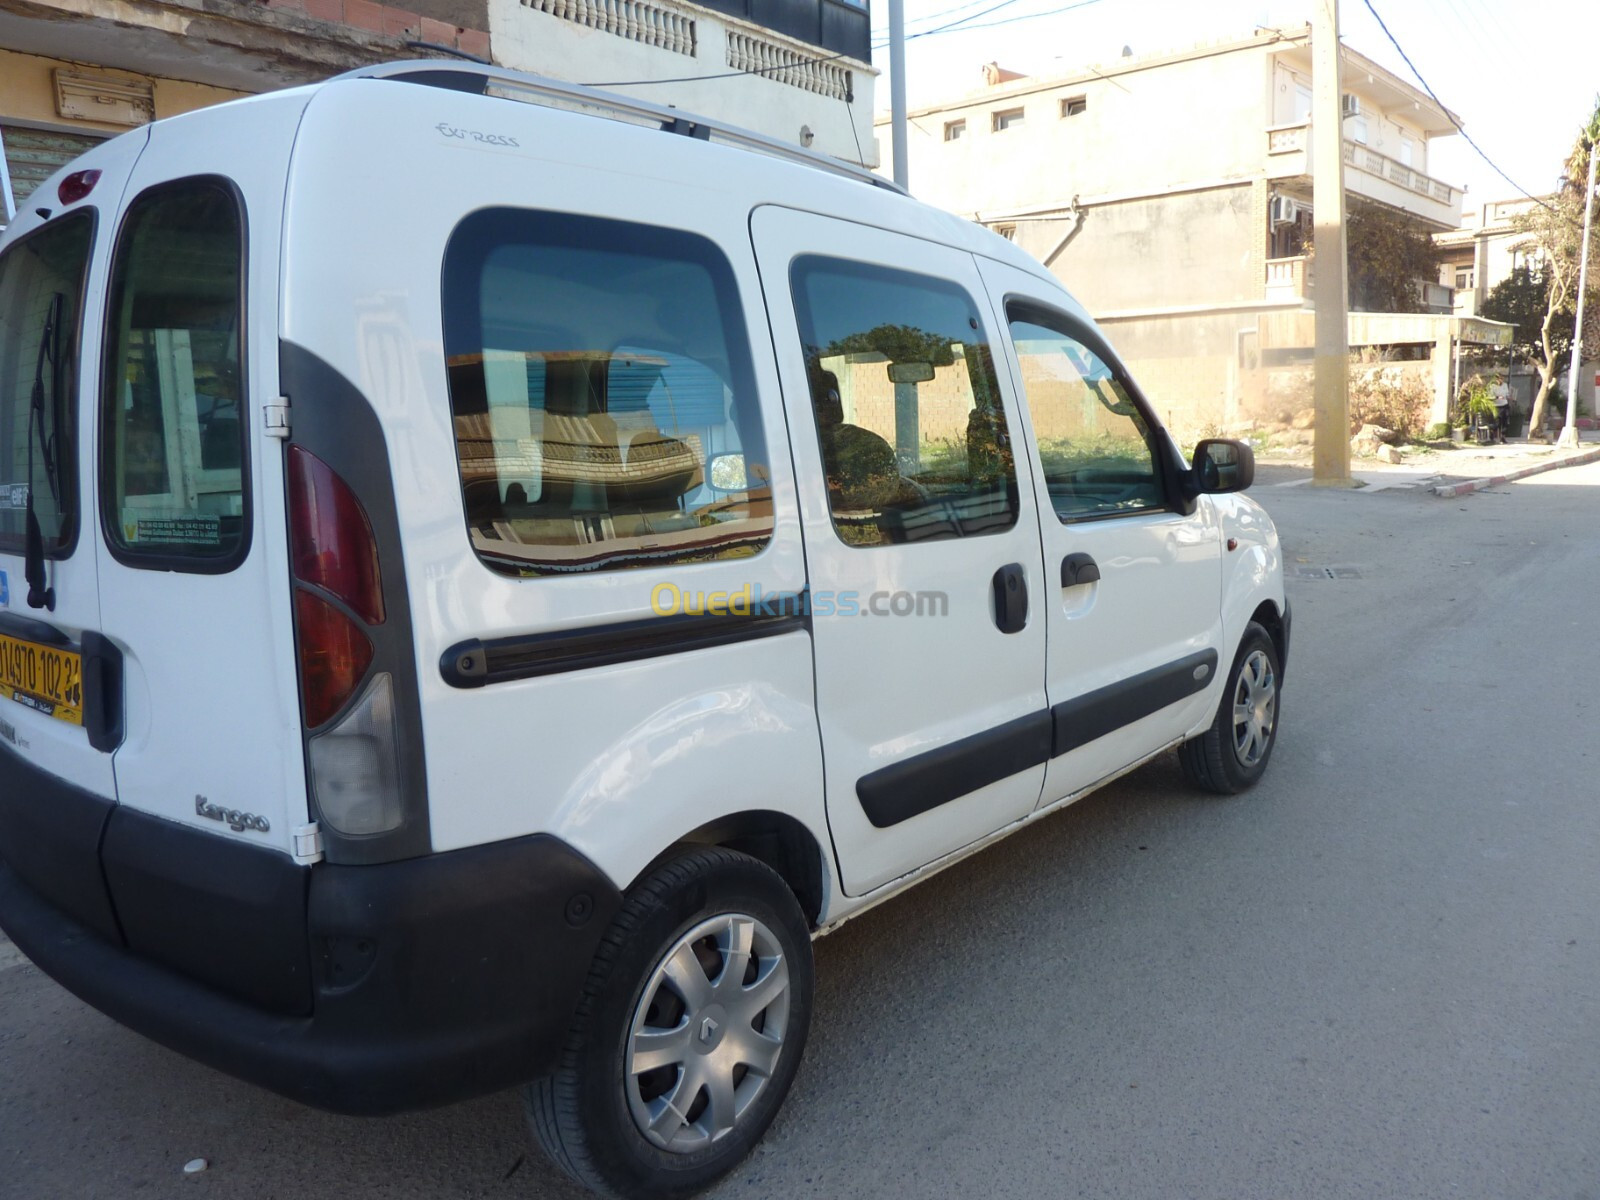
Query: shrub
(1398,404)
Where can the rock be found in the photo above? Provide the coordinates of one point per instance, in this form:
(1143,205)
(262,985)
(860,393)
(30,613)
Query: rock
(1369,437)
(1390,454)
(1306,418)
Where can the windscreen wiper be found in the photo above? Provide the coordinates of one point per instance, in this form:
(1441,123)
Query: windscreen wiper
(40,596)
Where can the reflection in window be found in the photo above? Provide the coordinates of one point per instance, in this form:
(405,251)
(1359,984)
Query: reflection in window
(173,394)
(1094,444)
(604,402)
(41,289)
(908,410)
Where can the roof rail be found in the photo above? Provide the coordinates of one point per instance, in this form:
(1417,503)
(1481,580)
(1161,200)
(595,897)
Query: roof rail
(506,84)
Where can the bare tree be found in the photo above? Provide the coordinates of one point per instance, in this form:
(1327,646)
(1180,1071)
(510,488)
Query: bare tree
(1554,231)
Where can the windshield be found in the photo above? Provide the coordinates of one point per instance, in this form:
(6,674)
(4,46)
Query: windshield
(41,286)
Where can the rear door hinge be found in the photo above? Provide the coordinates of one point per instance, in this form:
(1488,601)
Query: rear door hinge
(275,418)
(307,847)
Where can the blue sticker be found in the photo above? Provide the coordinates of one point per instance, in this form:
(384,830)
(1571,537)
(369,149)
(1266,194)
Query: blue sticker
(5,591)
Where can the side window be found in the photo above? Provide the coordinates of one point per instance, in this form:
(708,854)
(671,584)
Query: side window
(41,295)
(173,453)
(604,401)
(909,417)
(1098,451)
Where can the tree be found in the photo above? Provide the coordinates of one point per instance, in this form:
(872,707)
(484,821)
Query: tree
(1552,232)
(1390,254)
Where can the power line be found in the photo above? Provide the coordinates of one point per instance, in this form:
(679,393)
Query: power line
(963,25)
(1451,116)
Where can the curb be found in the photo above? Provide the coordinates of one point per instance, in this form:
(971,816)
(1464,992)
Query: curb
(1450,491)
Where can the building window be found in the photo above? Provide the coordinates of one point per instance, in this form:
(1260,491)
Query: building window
(1407,150)
(1011,118)
(954,131)
(1466,278)
(1009,232)
(1074,106)
(1358,129)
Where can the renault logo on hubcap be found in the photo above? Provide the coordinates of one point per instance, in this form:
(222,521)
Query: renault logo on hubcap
(708,1029)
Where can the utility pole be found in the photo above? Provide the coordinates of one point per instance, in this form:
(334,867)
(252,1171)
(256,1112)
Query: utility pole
(1569,433)
(1330,462)
(897,88)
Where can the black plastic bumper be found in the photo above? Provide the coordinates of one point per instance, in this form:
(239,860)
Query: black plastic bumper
(431,980)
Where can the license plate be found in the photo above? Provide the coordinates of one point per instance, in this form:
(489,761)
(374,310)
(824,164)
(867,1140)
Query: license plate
(46,679)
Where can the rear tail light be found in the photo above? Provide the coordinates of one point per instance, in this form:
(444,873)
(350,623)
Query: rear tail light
(355,766)
(354,763)
(330,537)
(334,657)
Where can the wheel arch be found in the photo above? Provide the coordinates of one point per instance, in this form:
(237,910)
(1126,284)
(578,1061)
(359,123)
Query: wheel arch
(776,839)
(1269,617)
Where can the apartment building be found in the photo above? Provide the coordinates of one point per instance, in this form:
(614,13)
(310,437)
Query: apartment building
(1173,194)
(73,72)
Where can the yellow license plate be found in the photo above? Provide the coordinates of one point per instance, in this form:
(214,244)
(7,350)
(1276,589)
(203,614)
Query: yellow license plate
(46,679)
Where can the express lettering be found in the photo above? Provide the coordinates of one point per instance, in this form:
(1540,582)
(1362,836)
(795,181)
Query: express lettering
(472,135)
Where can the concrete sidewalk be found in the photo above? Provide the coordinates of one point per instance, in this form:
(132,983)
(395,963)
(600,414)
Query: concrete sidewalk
(1446,473)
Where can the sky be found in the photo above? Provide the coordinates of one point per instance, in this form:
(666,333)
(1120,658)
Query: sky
(1520,75)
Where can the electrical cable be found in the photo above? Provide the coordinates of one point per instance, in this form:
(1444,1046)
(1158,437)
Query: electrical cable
(1451,116)
(962,26)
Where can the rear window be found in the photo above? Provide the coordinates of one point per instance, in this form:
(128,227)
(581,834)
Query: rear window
(173,491)
(603,396)
(41,297)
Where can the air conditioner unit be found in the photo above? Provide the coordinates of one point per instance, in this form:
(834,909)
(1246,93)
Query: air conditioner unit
(1284,211)
(1349,105)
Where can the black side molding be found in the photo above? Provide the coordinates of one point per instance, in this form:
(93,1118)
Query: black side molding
(1080,720)
(925,781)
(474,663)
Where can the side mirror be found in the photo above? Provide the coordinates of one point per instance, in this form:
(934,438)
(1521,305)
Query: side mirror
(1222,465)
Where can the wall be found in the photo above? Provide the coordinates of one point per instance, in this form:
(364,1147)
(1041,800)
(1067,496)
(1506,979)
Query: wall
(1159,252)
(526,39)
(1147,127)
(28,93)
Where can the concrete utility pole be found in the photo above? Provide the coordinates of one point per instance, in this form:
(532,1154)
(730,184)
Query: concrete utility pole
(897,88)
(1569,433)
(1330,463)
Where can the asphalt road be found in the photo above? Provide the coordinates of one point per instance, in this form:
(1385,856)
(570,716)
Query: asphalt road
(1378,975)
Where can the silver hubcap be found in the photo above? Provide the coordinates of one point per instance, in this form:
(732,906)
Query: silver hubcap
(1255,708)
(707,1033)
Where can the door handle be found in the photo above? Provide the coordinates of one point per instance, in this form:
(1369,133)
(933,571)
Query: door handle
(1078,568)
(1010,598)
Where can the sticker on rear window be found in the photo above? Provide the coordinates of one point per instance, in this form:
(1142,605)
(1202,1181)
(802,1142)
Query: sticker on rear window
(5,591)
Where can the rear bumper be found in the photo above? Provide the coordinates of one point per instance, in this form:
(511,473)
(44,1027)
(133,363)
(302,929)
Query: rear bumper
(431,980)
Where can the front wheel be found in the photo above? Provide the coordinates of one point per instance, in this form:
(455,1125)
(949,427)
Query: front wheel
(689,1033)
(1232,755)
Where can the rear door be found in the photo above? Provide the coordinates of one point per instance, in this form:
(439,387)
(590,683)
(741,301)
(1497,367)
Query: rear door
(193,570)
(922,544)
(52,280)
(1133,581)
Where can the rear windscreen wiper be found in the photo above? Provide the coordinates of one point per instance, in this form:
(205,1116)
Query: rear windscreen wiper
(40,596)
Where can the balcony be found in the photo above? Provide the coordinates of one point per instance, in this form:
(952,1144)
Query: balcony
(1373,175)
(1289,279)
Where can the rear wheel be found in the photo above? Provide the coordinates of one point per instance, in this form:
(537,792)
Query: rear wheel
(689,1034)
(1232,755)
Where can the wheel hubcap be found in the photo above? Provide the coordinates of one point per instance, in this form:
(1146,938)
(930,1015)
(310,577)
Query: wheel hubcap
(707,1032)
(1255,708)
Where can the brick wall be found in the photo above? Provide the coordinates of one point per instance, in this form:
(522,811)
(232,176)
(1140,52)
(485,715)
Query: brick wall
(392,21)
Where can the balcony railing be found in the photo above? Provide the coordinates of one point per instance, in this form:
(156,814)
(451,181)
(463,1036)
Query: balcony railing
(1296,139)
(1363,158)
(1289,278)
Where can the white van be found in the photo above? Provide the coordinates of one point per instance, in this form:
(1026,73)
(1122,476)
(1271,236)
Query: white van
(483,583)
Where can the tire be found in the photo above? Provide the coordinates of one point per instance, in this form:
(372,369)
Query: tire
(734,1045)
(1232,755)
